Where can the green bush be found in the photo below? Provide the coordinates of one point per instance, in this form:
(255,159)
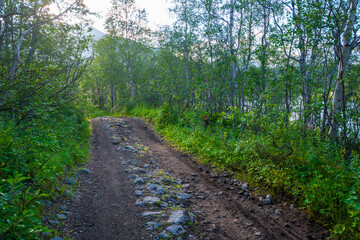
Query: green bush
(36,155)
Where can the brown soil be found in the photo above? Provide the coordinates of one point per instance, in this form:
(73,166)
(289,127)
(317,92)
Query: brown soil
(106,207)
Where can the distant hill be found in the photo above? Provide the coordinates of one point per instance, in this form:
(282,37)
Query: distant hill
(96,33)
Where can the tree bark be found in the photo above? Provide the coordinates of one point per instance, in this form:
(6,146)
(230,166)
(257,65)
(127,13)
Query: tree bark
(343,50)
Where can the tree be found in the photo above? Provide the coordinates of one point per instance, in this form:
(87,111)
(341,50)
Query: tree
(128,23)
(344,26)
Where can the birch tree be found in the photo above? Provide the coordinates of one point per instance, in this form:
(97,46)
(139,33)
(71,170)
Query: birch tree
(129,25)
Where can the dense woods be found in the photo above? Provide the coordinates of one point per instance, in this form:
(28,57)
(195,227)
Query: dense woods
(265,87)
(42,134)
(268,89)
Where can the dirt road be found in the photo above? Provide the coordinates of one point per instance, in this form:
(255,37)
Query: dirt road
(131,165)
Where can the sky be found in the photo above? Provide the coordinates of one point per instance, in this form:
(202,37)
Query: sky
(157,11)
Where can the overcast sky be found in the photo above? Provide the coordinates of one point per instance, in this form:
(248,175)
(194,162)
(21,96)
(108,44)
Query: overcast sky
(157,11)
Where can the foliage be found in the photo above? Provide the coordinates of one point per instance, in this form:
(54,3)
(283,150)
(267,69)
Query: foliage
(35,157)
(43,135)
(19,213)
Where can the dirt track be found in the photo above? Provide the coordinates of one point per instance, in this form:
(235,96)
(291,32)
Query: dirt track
(223,210)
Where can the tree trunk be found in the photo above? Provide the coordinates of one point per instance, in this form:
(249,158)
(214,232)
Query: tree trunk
(343,51)
(232,82)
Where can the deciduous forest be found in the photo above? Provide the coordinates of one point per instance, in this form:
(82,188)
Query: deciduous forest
(267,89)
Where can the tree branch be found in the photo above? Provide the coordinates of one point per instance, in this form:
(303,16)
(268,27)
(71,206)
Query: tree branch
(18,48)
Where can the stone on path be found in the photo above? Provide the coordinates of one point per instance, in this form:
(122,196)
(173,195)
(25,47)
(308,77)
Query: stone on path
(163,236)
(148,214)
(139,181)
(70,182)
(167,181)
(156,189)
(61,216)
(267,200)
(179,217)
(84,170)
(149,200)
(277,212)
(183,196)
(153,225)
(176,229)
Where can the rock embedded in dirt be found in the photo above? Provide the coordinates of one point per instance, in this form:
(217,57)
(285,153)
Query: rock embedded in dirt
(130,148)
(183,196)
(139,181)
(54,222)
(134,177)
(266,201)
(244,186)
(141,170)
(167,181)
(84,170)
(153,225)
(186,185)
(180,217)
(156,189)
(138,193)
(45,203)
(61,216)
(70,182)
(163,236)
(149,214)
(277,212)
(149,200)
(133,162)
(176,229)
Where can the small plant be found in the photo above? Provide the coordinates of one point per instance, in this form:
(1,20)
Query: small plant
(19,209)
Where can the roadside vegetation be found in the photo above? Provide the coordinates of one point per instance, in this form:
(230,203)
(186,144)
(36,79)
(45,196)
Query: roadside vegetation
(44,135)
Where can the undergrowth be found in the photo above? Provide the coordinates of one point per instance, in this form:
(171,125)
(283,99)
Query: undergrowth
(299,163)
(36,156)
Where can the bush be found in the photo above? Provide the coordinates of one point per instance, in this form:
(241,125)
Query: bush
(36,155)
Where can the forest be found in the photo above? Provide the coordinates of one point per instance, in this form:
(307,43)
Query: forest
(268,89)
